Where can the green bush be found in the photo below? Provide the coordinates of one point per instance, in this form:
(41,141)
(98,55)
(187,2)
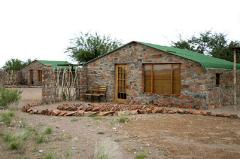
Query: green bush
(141,155)
(49,156)
(123,119)
(8,96)
(48,131)
(7,117)
(15,141)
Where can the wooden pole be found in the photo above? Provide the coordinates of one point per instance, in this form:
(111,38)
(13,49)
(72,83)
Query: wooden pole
(234,79)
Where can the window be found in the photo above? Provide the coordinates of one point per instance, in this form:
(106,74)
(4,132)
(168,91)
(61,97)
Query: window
(217,79)
(162,78)
(39,75)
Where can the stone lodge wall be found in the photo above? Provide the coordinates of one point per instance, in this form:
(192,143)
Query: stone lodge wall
(35,66)
(222,95)
(193,76)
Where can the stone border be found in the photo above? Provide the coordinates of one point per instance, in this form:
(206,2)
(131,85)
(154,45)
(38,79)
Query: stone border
(93,109)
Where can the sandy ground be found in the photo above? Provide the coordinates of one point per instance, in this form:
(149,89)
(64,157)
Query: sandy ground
(155,135)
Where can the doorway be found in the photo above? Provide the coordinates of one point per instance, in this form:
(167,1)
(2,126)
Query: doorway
(31,76)
(120,84)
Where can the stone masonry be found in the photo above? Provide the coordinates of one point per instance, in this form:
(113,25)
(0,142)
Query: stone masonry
(35,66)
(198,88)
(49,86)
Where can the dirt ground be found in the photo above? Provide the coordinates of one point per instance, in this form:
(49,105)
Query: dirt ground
(156,136)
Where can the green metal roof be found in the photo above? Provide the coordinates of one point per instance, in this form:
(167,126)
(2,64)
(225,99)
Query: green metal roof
(207,62)
(53,64)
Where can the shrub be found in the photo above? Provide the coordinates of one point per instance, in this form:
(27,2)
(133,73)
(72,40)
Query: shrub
(48,131)
(40,138)
(141,155)
(123,119)
(15,141)
(49,156)
(8,96)
(7,117)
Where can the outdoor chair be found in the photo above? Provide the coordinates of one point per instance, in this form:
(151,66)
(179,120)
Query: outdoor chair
(97,92)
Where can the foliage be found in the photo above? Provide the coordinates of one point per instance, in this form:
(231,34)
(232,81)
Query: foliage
(88,46)
(16,141)
(8,96)
(123,119)
(141,155)
(7,117)
(49,156)
(214,44)
(101,154)
(48,131)
(15,64)
(42,136)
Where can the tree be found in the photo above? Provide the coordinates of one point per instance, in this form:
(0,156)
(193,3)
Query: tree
(15,64)
(214,44)
(88,46)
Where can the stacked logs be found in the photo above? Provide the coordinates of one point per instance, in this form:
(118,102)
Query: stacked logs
(86,109)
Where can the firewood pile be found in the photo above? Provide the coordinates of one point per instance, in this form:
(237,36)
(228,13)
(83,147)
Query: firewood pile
(109,109)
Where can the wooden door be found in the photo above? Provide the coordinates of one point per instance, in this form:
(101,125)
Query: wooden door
(31,76)
(120,83)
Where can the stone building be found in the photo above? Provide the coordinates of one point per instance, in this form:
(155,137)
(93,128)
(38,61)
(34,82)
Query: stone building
(32,73)
(152,74)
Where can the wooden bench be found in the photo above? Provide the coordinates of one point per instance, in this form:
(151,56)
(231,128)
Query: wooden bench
(96,92)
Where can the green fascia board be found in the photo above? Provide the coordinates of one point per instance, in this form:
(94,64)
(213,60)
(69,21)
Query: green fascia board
(206,61)
(53,64)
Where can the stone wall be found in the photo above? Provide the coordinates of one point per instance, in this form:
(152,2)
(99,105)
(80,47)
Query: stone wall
(222,95)
(49,86)
(193,76)
(52,93)
(35,66)
(82,83)
(10,77)
(2,74)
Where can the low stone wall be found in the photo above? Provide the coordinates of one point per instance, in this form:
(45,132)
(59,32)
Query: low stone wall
(87,109)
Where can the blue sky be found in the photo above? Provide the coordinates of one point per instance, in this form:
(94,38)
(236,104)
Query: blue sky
(42,28)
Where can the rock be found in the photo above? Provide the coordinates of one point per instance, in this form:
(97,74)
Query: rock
(88,113)
(196,112)
(106,113)
(141,111)
(157,110)
(148,110)
(96,109)
(133,112)
(222,115)
(56,112)
(171,112)
(62,113)
(180,111)
(235,116)
(120,113)
(70,113)
(80,113)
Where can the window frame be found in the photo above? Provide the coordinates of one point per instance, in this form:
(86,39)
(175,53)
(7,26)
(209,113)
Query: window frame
(152,78)
(40,75)
(217,79)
